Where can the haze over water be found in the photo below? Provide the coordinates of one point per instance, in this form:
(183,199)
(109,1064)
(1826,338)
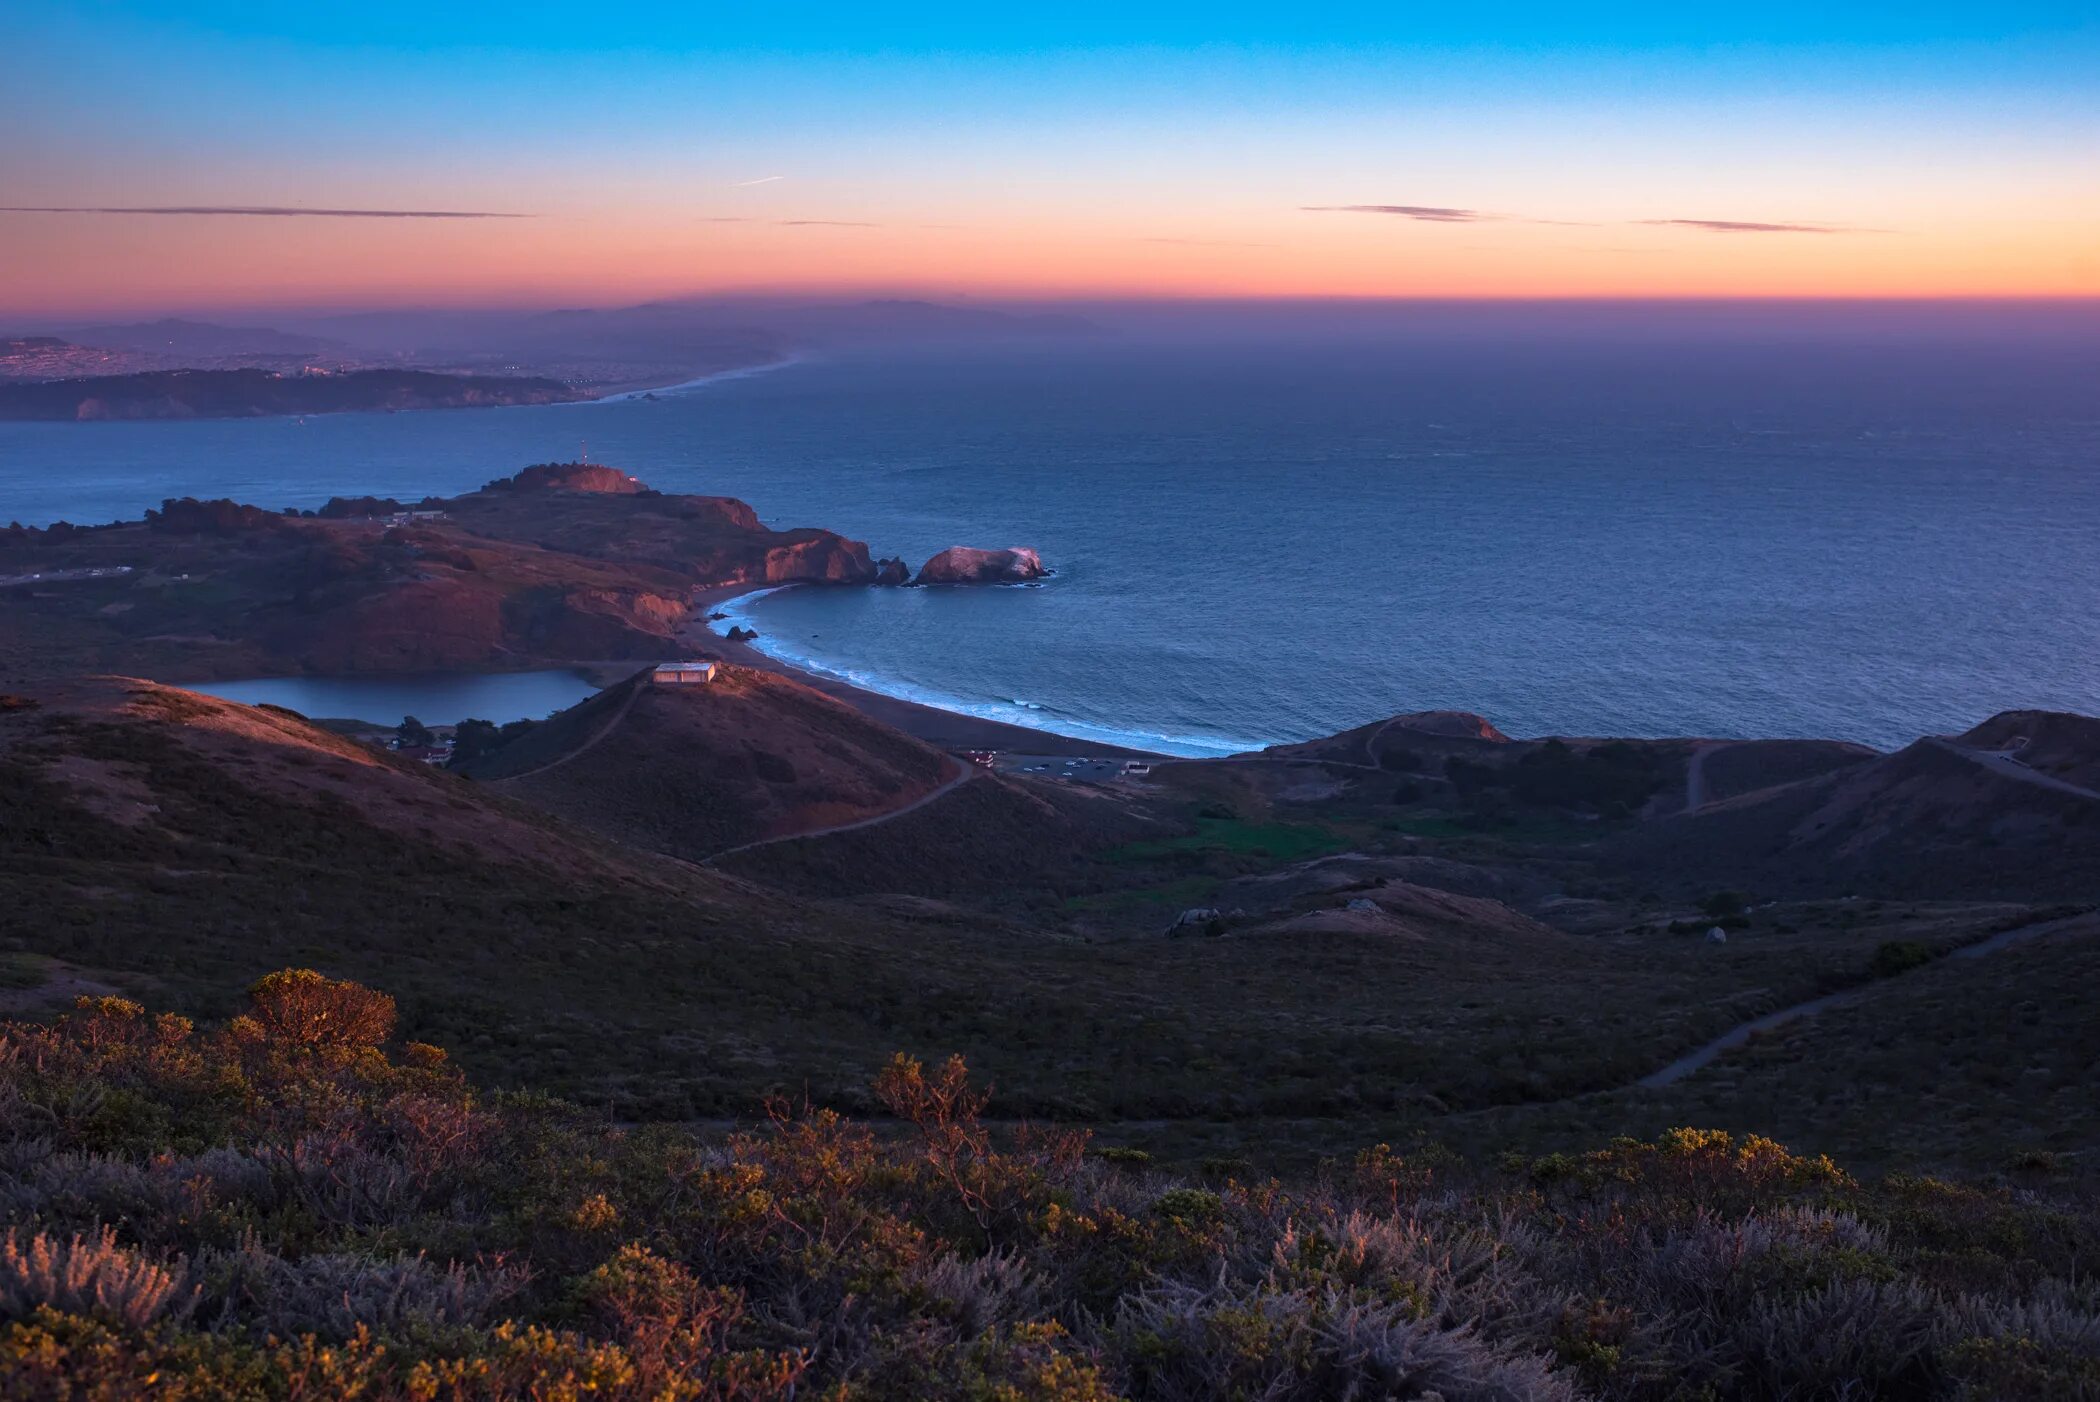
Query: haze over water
(1265,543)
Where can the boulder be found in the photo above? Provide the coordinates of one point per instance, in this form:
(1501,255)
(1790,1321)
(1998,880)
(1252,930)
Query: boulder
(892,571)
(1200,920)
(961,564)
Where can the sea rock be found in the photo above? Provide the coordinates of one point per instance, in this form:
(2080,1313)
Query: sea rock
(740,635)
(961,564)
(892,571)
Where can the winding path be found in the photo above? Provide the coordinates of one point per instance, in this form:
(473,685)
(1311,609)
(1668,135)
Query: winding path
(969,772)
(604,730)
(1695,774)
(1999,762)
(1735,1037)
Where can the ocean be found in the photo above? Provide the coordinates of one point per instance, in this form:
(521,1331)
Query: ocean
(1256,543)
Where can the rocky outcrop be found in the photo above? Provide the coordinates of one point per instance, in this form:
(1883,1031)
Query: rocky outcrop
(573,477)
(960,564)
(820,557)
(892,571)
(1450,725)
(603,514)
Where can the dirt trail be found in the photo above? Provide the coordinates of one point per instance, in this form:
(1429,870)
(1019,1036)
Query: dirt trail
(612,724)
(969,772)
(1735,1037)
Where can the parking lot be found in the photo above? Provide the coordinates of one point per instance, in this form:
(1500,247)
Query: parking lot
(1089,770)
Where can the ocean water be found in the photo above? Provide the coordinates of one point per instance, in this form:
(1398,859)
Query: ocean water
(1257,543)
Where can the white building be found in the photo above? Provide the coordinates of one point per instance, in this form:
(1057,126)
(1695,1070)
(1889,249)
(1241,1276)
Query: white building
(683,673)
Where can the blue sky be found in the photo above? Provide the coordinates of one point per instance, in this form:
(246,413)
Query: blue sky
(1054,151)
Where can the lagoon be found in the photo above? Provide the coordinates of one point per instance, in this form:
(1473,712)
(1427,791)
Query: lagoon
(435,699)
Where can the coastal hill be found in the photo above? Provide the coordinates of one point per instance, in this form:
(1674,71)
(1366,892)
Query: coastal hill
(690,771)
(252,393)
(525,571)
(1943,817)
(1333,984)
(600,513)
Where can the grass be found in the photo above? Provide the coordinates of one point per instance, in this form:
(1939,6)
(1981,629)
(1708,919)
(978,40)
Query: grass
(1182,894)
(1270,841)
(21,971)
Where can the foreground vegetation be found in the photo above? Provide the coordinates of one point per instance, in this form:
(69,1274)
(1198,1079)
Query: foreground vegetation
(283,1207)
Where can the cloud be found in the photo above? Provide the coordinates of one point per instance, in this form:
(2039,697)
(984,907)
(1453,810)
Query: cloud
(267,211)
(1442,214)
(1429,213)
(801,223)
(1747,226)
(762,180)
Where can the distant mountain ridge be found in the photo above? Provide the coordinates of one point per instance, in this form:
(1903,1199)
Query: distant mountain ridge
(254,393)
(179,337)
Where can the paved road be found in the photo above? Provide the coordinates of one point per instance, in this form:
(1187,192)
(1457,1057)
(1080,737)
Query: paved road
(1695,795)
(969,772)
(2001,763)
(1735,1037)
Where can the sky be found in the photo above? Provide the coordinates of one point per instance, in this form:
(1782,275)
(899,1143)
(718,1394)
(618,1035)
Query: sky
(167,158)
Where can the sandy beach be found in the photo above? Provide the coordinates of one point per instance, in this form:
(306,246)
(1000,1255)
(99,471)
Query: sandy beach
(951,730)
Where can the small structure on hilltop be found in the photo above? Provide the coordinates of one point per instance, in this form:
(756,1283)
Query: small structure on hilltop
(683,673)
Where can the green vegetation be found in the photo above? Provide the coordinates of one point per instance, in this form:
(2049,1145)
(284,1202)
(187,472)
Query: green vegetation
(282,1208)
(23,971)
(1901,956)
(1612,778)
(474,739)
(1236,837)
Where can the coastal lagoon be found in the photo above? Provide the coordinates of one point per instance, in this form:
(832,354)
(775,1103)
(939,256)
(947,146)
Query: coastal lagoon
(443,698)
(1259,543)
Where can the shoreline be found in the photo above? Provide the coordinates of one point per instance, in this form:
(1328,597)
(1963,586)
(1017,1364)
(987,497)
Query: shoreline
(949,730)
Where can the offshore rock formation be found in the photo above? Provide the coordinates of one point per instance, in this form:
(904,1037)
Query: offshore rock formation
(960,564)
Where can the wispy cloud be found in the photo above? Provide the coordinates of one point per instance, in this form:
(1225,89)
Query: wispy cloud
(262,210)
(1749,226)
(802,223)
(1429,213)
(762,180)
(1444,214)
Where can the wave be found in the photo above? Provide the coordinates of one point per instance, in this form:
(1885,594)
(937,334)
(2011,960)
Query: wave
(1031,715)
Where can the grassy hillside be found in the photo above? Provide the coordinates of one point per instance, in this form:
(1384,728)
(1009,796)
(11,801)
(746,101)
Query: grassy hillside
(691,770)
(1372,968)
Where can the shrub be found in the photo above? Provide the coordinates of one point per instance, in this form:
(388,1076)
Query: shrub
(1893,957)
(86,1275)
(1722,903)
(302,1008)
